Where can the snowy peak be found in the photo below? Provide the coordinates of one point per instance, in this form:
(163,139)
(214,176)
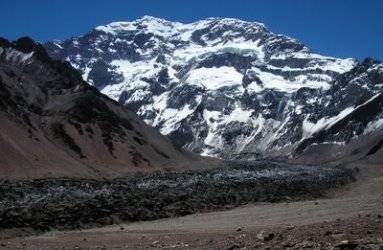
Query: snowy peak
(220,86)
(165,28)
(146,24)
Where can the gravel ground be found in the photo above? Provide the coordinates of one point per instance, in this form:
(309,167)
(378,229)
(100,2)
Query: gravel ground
(49,204)
(351,218)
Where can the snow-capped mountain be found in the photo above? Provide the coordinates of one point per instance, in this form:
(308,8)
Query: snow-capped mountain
(225,87)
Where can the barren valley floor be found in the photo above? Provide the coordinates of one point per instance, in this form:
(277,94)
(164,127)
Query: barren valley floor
(351,219)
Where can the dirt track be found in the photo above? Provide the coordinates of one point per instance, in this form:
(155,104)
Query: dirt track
(354,213)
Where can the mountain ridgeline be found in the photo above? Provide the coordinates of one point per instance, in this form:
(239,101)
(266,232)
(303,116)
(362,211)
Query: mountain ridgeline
(234,89)
(55,124)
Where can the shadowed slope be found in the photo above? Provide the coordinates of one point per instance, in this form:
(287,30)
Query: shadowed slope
(54,124)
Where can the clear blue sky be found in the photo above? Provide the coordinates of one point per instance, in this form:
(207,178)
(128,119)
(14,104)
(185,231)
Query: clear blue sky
(342,28)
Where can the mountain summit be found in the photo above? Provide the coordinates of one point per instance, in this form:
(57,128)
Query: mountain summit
(229,88)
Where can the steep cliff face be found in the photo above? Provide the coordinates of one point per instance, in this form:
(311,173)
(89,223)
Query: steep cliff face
(55,124)
(228,88)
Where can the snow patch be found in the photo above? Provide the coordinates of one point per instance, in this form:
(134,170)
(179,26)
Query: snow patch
(214,78)
(310,128)
(272,81)
(373,126)
(168,116)
(16,57)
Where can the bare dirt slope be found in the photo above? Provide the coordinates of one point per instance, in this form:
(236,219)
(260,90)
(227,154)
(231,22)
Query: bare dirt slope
(354,214)
(54,124)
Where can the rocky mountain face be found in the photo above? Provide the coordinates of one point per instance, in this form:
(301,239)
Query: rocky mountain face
(55,124)
(229,88)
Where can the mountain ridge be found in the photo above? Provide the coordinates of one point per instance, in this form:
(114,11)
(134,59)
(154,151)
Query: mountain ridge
(218,87)
(54,124)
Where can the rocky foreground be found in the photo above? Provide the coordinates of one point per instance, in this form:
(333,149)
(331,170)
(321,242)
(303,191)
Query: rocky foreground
(364,232)
(43,205)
